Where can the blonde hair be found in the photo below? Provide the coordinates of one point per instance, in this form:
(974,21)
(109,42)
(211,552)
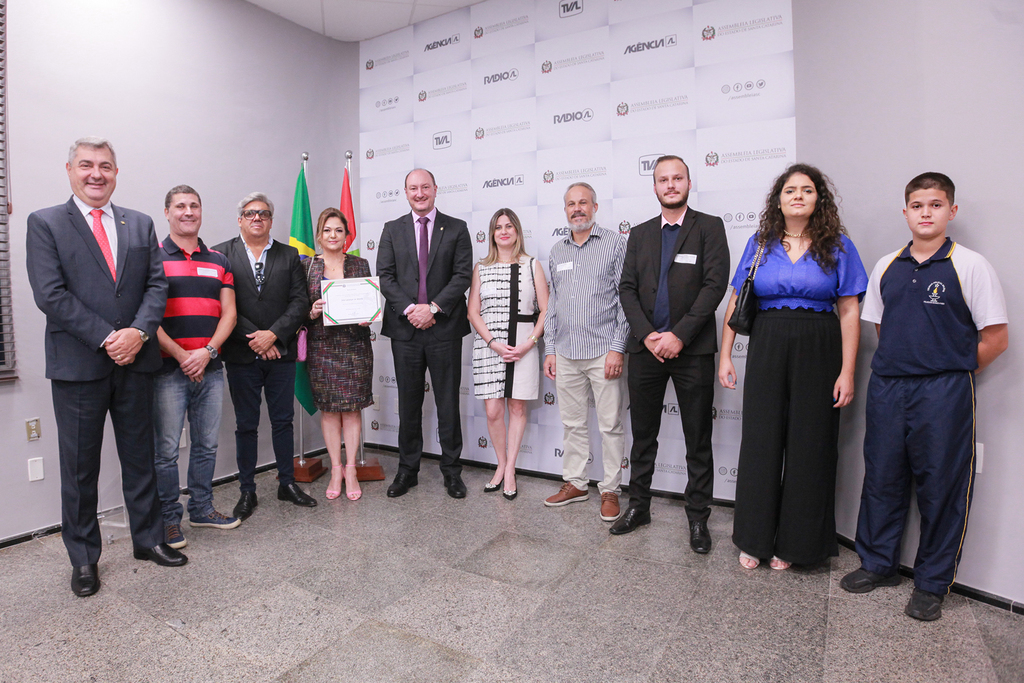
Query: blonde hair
(518,251)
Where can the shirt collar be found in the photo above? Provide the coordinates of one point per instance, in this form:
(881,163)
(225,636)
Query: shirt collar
(941,254)
(431,217)
(594,232)
(270,243)
(170,246)
(682,218)
(86,209)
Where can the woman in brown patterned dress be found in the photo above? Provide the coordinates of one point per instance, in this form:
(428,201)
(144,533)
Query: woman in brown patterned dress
(340,358)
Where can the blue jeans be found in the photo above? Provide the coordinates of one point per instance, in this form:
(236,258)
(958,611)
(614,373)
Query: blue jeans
(174,395)
(276,380)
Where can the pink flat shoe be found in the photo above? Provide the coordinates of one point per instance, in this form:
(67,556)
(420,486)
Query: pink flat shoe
(358,493)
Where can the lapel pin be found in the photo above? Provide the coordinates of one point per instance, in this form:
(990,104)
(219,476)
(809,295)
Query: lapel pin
(122,222)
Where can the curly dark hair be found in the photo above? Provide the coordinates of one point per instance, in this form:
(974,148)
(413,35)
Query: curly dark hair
(825,228)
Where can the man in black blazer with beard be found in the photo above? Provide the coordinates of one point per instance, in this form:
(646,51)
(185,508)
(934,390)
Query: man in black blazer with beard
(674,277)
(272,302)
(96,274)
(425,264)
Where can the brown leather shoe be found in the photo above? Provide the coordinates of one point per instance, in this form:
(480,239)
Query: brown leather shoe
(610,506)
(567,494)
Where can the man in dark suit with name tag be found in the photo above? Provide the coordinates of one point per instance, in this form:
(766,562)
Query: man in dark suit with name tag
(425,264)
(271,303)
(96,274)
(673,279)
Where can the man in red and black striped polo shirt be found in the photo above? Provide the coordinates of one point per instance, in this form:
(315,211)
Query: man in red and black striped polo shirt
(200,315)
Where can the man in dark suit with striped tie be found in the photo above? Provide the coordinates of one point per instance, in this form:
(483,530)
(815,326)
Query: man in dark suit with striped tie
(96,274)
(425,264)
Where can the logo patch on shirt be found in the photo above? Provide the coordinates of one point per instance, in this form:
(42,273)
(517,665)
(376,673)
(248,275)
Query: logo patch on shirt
(206,272)
(936,290)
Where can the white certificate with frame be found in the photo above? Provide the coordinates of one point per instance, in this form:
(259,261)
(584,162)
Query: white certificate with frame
(352,300)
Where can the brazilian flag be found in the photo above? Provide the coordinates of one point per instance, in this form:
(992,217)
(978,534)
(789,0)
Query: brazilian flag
(302,239)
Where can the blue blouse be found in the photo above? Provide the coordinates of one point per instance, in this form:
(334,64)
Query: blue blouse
(780,283)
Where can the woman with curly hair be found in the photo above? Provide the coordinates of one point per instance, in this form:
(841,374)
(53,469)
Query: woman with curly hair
(800,371)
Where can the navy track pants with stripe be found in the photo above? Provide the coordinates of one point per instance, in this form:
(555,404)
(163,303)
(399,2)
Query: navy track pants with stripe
(920,427)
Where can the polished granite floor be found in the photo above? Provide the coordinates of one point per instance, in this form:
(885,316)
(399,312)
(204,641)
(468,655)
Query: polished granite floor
(426,588)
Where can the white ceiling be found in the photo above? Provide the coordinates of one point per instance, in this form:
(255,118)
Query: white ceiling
(355,20)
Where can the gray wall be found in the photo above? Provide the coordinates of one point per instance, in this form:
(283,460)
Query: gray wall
(886,90)
(220,95)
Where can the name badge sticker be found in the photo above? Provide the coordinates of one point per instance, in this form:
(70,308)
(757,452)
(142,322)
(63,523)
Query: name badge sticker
(206,272)
(564,266)
(686,258)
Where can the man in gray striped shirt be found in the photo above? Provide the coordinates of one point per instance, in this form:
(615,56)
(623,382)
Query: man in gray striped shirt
(585,337)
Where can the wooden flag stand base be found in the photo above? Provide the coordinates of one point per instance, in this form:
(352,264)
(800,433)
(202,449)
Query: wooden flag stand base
(369,469)
(309,469)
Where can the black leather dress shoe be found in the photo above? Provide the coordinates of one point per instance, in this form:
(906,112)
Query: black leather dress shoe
(293,494)
(456,489)
(700,537)
(402,483)
(85,580)
(163,554)
(631,520)
(245,506)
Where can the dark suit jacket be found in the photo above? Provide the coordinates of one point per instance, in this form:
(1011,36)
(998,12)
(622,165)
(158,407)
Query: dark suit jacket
(695,290)
(281,306)
(449,272)
(72,285)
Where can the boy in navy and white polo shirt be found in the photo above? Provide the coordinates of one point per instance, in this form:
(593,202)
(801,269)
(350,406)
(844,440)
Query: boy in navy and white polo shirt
(940,315)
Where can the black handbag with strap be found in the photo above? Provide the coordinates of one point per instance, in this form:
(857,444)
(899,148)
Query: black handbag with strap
(742,320)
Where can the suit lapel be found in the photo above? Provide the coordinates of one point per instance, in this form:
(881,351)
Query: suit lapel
(684,230)
(653,249)
(240,257)
(121,226)
(270,263)
(406,238)
(688,221)
(79,225)
(435,238)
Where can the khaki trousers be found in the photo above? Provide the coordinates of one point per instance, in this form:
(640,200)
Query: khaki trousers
(573,379)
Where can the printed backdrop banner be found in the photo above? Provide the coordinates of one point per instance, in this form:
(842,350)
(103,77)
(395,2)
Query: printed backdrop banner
(508,102)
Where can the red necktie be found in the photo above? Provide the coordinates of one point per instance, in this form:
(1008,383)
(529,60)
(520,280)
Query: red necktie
(101,239)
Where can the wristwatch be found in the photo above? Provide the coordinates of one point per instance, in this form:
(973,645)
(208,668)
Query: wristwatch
(213,351)
(433,308)
(143,335)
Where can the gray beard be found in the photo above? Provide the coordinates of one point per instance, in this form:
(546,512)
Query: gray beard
(584,227)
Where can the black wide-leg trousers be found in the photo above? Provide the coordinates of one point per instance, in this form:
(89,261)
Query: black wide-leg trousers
(785,488)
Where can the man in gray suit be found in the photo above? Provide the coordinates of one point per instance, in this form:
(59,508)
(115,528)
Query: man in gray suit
(96,274)
(425,264)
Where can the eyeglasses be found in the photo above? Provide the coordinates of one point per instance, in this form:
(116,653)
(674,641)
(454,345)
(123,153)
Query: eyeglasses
(261,277)
(250,214)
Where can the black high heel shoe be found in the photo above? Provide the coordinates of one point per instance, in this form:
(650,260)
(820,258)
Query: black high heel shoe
(491,488)
(510,495)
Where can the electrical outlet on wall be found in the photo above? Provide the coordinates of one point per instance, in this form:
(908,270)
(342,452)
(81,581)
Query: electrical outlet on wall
(32,429)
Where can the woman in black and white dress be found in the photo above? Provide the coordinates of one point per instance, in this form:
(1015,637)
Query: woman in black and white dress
(507,303)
